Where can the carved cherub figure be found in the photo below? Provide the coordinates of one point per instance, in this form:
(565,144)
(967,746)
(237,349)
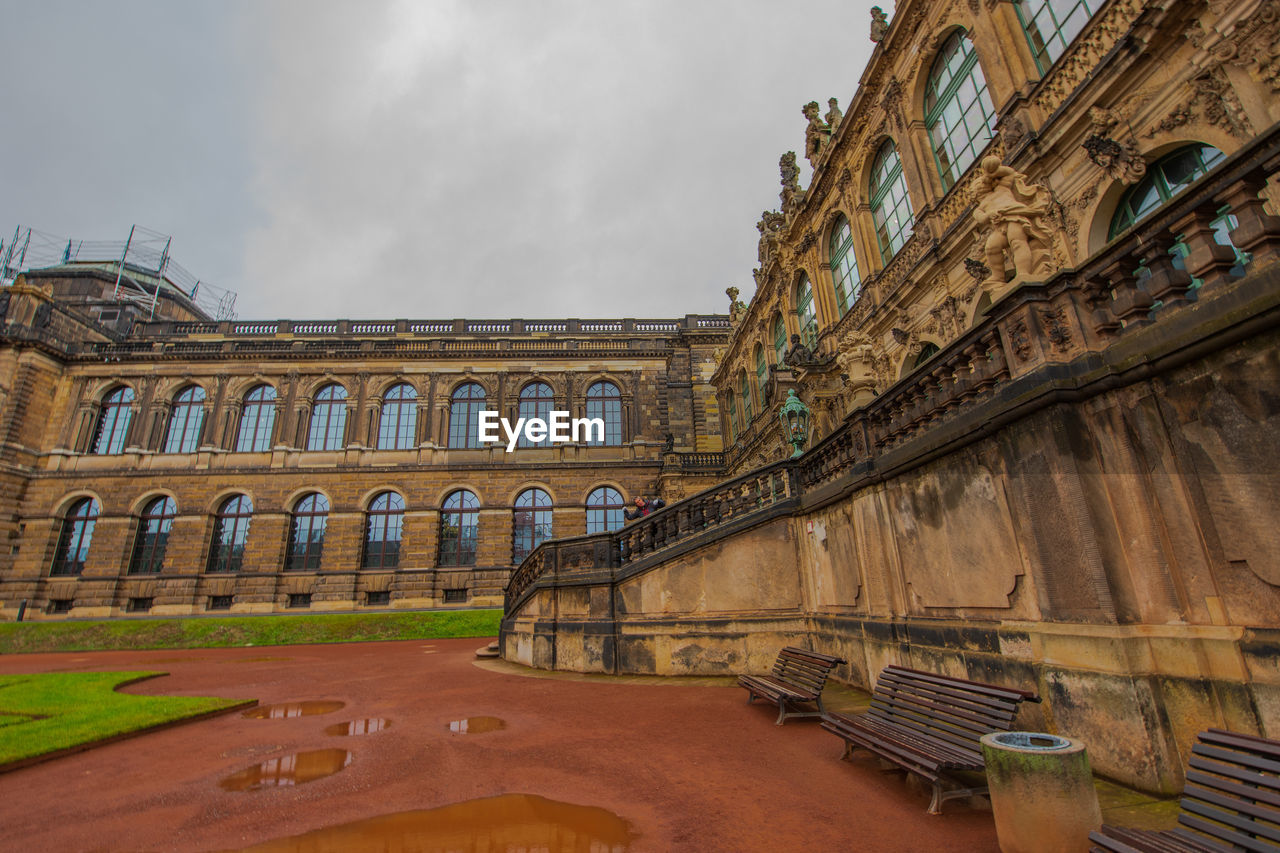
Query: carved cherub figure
(1014,212)
(879,24)
(816,134)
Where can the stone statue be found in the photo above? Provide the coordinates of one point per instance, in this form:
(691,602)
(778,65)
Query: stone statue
(770,228)
(791,194)
(736,306)
(1014,214)
(816,135)
(799,354)
(879,24)
(833,116)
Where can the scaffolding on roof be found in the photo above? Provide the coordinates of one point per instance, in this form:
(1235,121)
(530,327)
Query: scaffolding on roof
(141,264)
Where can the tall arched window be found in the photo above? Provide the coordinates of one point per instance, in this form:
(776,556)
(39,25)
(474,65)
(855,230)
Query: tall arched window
(733,415)
(459,524)
(153,536)
(465,407)
(744,390)
(398,424)
(328,419)
(383,529)
(890,205)
(844,265)
(113,421)
(306,534)
(806,313)
(927,351)
(536,400)
(957,108)
(604,510)
(604,401)
(531,523)
(74,540)
(185,421)
(1051,25)
(762,376)
(230,532)
(257,420)
(779,338)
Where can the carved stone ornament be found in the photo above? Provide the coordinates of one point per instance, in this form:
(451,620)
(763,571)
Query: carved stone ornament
(833,116)
(977,269)
(1012,131)
(792,196)
(1247,35)
(1013,214)
(1121,162)
(1019,340)
(770,227)
(736,306)
(879,24)
(1056,329)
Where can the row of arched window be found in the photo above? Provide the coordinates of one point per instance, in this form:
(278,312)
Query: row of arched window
(397,422)
(459,528)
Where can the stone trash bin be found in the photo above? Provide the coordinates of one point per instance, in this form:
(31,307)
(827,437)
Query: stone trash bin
(1042,794)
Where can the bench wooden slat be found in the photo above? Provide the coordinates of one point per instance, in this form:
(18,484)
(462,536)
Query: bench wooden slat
(1238,789)
(953,703)
(1237,800)
(952,687)
(931,709)
(978,686)
(1238,740)
(1119,839)
(1228,816)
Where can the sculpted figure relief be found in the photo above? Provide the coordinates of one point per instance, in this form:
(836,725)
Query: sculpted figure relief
(816,134)
(834,116)
(1014,215)
(879,24)
(791,194)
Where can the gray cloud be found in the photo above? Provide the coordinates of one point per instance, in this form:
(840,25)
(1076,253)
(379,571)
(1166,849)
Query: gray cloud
(429,159)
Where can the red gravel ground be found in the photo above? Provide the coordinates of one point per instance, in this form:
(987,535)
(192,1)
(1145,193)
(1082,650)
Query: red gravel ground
(690,767)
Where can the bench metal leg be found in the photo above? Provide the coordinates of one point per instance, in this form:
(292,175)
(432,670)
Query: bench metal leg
(940,796)
(782,711)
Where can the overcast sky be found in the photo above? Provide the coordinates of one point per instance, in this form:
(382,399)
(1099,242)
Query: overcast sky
(423,158)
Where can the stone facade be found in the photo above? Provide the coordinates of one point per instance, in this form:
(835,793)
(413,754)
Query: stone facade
(59,359)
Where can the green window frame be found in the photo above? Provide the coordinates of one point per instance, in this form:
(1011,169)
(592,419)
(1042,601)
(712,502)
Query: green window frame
(1051,25)
(806,312)
(779,337)
(733,418)
(958,110)
(762,375)
(745,389)
(890,204)
(844,266)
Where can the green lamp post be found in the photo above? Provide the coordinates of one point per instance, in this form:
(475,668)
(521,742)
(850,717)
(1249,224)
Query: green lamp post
(795,422)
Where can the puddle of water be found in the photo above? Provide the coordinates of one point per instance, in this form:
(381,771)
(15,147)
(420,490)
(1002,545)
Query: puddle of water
(367,726)
(477,725)
(286,771)
(292,709)
(508,822)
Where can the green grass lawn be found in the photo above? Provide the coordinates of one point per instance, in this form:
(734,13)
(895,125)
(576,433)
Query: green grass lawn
(50,712)
(18,637)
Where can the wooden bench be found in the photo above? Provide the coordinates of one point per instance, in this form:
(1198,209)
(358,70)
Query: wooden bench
(1231,801)
(798,678)
(930,725)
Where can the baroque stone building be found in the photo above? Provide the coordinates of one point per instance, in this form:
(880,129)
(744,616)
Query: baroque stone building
(157,461)
(1031,296)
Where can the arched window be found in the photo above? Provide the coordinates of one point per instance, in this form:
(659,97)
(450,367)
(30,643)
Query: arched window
(1164,179)
(604,510)
(536,400)
(153,535)
(1051,25)
(844,265)
(306,536)
(531,523)
(779,338)
(762,376)
(185,421)
(230,532)
(383,529)
(927,351)
(257,420)
(806,313)
(73,541)
(459,524)
(744,390)
(398,425)
(113,422)
(464,416)
(604,401)
(733,415)
(890,205)
(328,419)
(957,108)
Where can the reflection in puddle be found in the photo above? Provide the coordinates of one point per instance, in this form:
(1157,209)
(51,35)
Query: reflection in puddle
(509,822)
(296,769)
(292,709)
(477,725)
(367,726)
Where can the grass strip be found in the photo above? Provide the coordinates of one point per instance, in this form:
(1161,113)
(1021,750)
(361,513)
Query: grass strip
(281,630)
(60,711)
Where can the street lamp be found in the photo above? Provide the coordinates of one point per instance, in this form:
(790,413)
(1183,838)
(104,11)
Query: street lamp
(795,422)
